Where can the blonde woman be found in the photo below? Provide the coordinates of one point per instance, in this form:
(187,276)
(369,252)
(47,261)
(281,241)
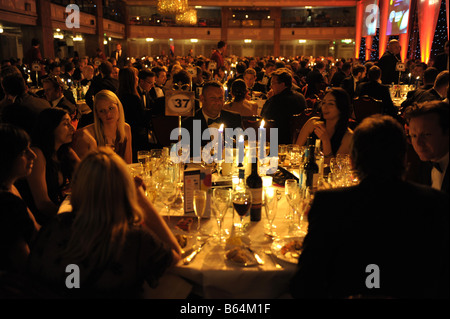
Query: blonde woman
(109,128)
(113,234)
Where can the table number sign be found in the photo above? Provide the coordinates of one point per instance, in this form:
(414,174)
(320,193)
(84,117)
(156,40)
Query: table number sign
(179,103)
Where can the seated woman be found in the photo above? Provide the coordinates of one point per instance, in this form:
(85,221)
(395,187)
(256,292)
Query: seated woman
(113,234)
(17,224)
(109,128)
(47,185)
(332,127)
(241,103)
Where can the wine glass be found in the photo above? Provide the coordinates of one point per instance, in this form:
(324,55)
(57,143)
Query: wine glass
(290,190)
(168,192)
(271,207)
(242,201)
(199,207)
(221,201)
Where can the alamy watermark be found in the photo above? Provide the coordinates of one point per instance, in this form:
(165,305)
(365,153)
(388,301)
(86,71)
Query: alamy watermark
(222,144)
(73,19)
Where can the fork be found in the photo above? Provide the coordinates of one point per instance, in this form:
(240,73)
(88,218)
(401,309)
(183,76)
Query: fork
(277,265)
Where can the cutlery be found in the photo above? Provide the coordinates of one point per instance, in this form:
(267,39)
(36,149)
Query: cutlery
(258,259)
(277,265)
(189,258)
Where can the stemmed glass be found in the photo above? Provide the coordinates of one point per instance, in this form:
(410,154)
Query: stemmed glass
(291,188)
(221,201)
(271,207)
(242,201)
(199,207)
(168,192)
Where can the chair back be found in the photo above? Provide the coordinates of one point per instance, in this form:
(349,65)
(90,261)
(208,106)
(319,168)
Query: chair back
(298,120)
(255,123)
(365,106)
(162,127)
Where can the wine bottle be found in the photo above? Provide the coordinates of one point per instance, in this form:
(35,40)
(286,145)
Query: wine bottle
(255,185)
(310,168)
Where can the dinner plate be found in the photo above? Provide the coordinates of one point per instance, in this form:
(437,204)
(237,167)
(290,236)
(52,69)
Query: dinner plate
(250,259)
(283,249)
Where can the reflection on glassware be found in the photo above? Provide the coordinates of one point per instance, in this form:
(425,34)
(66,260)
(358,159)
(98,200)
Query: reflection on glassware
(199,207)
(242,201)
(221,201)
(282,152)
(271,207)
(168,193)
(290,190)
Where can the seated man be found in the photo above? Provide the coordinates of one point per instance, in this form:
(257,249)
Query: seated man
(428,125)
(378,91)
(439,89)
(54,93)
(210,115)
(283,104)
(359,240)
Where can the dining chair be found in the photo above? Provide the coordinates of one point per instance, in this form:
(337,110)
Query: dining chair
(298,120)
(162,127)
(365,106)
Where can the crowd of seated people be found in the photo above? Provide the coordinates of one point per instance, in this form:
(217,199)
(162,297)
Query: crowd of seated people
(122,102)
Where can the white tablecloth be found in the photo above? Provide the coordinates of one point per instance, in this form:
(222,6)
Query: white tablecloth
(213,276)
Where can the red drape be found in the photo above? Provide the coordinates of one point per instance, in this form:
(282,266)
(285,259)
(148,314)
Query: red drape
(428,13)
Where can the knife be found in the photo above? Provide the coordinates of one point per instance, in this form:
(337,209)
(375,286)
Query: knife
(258,259)
(189,258)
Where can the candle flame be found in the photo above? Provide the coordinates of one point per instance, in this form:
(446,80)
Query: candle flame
(241,138)
(221,127)
(262,124)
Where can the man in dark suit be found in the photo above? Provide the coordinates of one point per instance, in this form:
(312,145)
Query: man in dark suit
(210,115)
(119,55)
(315,80)
(157,90)
(341,74)
(383,238)
(428,125)
(255,88)
(429,76)
(54,94)
(388,63)
(104,82)
(145,84)
(284,103)
(20,107)
(350,83)
(378,91)
(439,89)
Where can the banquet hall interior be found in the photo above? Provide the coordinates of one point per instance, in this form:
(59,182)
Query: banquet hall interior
(326,153)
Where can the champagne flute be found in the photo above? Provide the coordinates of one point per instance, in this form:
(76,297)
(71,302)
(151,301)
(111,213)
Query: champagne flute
(168,193)
(291,188)
(221,200)
(271,207)
(199,207)
(242,202)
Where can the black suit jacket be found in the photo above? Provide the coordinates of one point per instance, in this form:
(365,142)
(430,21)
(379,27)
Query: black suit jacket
(280,108)
(379,92)
(402,228)
(348,84)
(120,60)
(98,84)
(387,64)
(230,120)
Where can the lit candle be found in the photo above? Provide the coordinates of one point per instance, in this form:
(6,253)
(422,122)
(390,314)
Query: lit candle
(267,181)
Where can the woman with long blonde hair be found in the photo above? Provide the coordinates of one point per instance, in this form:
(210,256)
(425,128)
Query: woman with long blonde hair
(109,128)
(113,234)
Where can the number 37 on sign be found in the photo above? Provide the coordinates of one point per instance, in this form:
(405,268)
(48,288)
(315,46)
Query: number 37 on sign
(179,103)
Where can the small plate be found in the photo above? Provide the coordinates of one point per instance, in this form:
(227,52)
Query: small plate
(284,250)
(249,258)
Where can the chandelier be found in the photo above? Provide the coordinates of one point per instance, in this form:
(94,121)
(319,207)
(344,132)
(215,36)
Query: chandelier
(172,6)
(187,17)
